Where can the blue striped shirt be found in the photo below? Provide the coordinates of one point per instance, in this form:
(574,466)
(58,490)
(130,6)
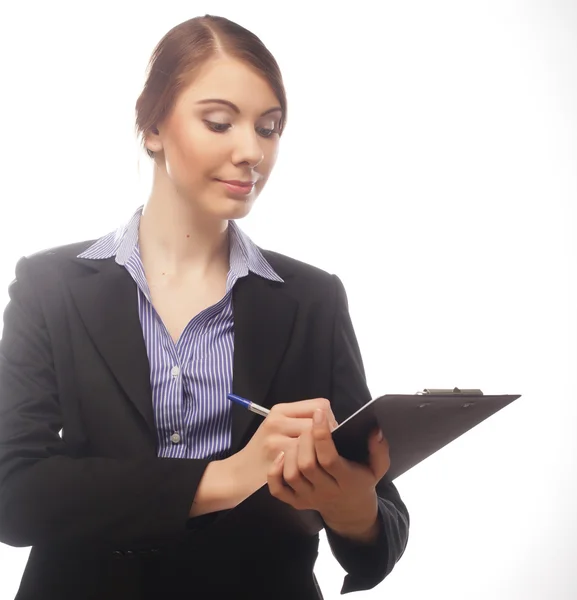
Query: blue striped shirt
(190,379)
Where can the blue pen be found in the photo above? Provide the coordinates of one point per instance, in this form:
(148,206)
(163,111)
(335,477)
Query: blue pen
(255,408)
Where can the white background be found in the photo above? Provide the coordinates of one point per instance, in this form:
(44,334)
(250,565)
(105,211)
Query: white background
(430,161)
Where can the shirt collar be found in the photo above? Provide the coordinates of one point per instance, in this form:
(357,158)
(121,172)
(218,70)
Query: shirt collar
(122,243)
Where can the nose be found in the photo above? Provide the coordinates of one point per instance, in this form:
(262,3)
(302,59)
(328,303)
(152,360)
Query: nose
(248,149)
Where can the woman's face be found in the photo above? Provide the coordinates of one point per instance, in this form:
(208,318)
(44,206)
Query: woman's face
(202,143)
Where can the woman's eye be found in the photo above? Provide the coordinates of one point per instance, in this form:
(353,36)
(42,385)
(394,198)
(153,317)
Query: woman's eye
(219,127)
(222,127)
(268,132)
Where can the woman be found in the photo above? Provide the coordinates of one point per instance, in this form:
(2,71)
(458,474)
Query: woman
(128,345)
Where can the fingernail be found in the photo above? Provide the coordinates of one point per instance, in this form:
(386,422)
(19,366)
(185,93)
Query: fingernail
(380,436)
(278,459)
(318,416)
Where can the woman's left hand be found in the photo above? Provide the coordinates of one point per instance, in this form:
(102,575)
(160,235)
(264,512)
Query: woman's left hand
(310,474)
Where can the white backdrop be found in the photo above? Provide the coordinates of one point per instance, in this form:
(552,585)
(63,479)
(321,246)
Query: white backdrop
(430,146)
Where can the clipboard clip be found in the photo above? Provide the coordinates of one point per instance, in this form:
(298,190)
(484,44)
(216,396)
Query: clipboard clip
(455,391)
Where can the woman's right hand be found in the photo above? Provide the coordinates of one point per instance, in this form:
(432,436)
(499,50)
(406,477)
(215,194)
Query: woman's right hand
(225,483)
(282,427)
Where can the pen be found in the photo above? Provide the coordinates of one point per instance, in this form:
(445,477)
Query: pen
(255,408)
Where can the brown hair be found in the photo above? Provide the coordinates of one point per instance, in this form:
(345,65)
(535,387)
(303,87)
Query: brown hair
(184,50)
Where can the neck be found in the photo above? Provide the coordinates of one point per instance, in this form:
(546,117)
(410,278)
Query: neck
(175,239)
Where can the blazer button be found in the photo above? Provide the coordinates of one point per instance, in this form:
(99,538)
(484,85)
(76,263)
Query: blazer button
(117,554)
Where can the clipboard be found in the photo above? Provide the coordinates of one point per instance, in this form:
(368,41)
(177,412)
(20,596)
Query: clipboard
(415,426)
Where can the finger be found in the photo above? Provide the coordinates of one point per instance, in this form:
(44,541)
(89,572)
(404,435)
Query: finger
(292,474)
(275,481)
(331,418)
(379,459)
(310,467)
(292,427)
(302,408)
(327,455)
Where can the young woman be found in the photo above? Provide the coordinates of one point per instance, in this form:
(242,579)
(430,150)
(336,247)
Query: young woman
(120,454)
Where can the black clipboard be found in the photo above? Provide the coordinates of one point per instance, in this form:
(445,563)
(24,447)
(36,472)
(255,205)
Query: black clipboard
(415,426)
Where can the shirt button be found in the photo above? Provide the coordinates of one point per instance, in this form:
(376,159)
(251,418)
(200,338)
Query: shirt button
(175,371)
(175,438)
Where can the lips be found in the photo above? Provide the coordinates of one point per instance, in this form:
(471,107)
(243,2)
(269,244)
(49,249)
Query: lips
(238,190)
(239,183)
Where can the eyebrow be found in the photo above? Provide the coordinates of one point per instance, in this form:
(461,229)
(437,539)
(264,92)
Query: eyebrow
(235,107)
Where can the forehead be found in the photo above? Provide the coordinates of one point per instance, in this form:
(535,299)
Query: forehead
(233,80)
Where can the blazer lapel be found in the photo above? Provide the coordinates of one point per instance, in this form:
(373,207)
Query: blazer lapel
(263,320)
(108,305)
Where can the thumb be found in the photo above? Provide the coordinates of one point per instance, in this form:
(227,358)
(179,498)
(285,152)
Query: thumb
(379,458)
(333,424)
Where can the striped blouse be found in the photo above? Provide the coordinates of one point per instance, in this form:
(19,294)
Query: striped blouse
(190,380)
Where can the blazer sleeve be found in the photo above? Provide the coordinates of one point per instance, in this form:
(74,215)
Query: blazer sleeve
(366,564)
(48,496)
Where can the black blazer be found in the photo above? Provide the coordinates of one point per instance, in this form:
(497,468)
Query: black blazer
(80,479)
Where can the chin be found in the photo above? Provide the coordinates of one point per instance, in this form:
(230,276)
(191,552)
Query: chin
(235,209)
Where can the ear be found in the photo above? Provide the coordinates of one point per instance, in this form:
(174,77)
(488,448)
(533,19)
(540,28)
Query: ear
(152,140)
